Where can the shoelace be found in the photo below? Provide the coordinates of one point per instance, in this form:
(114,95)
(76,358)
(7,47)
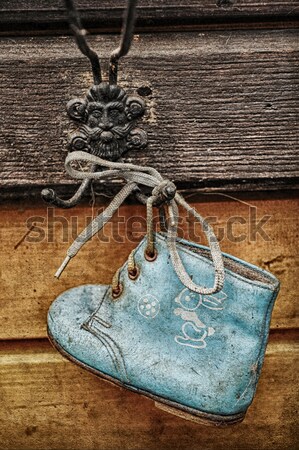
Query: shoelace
(163,190)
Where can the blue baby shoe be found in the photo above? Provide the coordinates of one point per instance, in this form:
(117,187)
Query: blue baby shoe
(200,355)
(181,323)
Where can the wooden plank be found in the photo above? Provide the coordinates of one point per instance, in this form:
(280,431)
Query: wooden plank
(47,402)
(41,15)
(222,111)
(28,261)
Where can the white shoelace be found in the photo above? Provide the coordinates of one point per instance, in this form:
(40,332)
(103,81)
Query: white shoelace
(136,175)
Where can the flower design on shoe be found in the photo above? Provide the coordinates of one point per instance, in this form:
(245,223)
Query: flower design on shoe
(193,331)
(149,306)
(107,118)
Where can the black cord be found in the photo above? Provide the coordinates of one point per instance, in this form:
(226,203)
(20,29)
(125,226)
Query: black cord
(125,41)
(80,33)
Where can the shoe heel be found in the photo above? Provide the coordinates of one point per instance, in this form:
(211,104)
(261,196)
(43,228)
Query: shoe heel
(208,420)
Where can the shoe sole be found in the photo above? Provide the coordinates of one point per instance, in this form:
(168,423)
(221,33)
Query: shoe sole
(164,404)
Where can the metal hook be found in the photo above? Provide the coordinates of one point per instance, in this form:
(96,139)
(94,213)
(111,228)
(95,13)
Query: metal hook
(122,50)
(125,41)
(80,33)
(50,196)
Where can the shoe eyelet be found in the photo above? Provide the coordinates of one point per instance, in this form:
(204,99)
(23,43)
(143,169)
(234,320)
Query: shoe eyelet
(151,257)
(117,292)
(134,274)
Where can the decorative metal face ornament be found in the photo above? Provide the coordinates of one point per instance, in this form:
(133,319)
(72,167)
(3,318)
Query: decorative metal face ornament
(106,118)
(107,122)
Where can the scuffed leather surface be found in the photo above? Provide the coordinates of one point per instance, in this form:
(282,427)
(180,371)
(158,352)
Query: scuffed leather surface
(162,353)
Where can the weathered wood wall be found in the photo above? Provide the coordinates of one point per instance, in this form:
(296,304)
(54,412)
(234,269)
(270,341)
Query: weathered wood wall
(221,121)
(222,111)
(53,404)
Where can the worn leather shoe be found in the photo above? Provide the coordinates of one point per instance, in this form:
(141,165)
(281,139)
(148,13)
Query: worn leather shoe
(198,356)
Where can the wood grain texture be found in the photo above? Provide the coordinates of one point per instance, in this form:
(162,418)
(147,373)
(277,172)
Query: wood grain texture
(50,403)
(222,111)
(41,15)
(28,261)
